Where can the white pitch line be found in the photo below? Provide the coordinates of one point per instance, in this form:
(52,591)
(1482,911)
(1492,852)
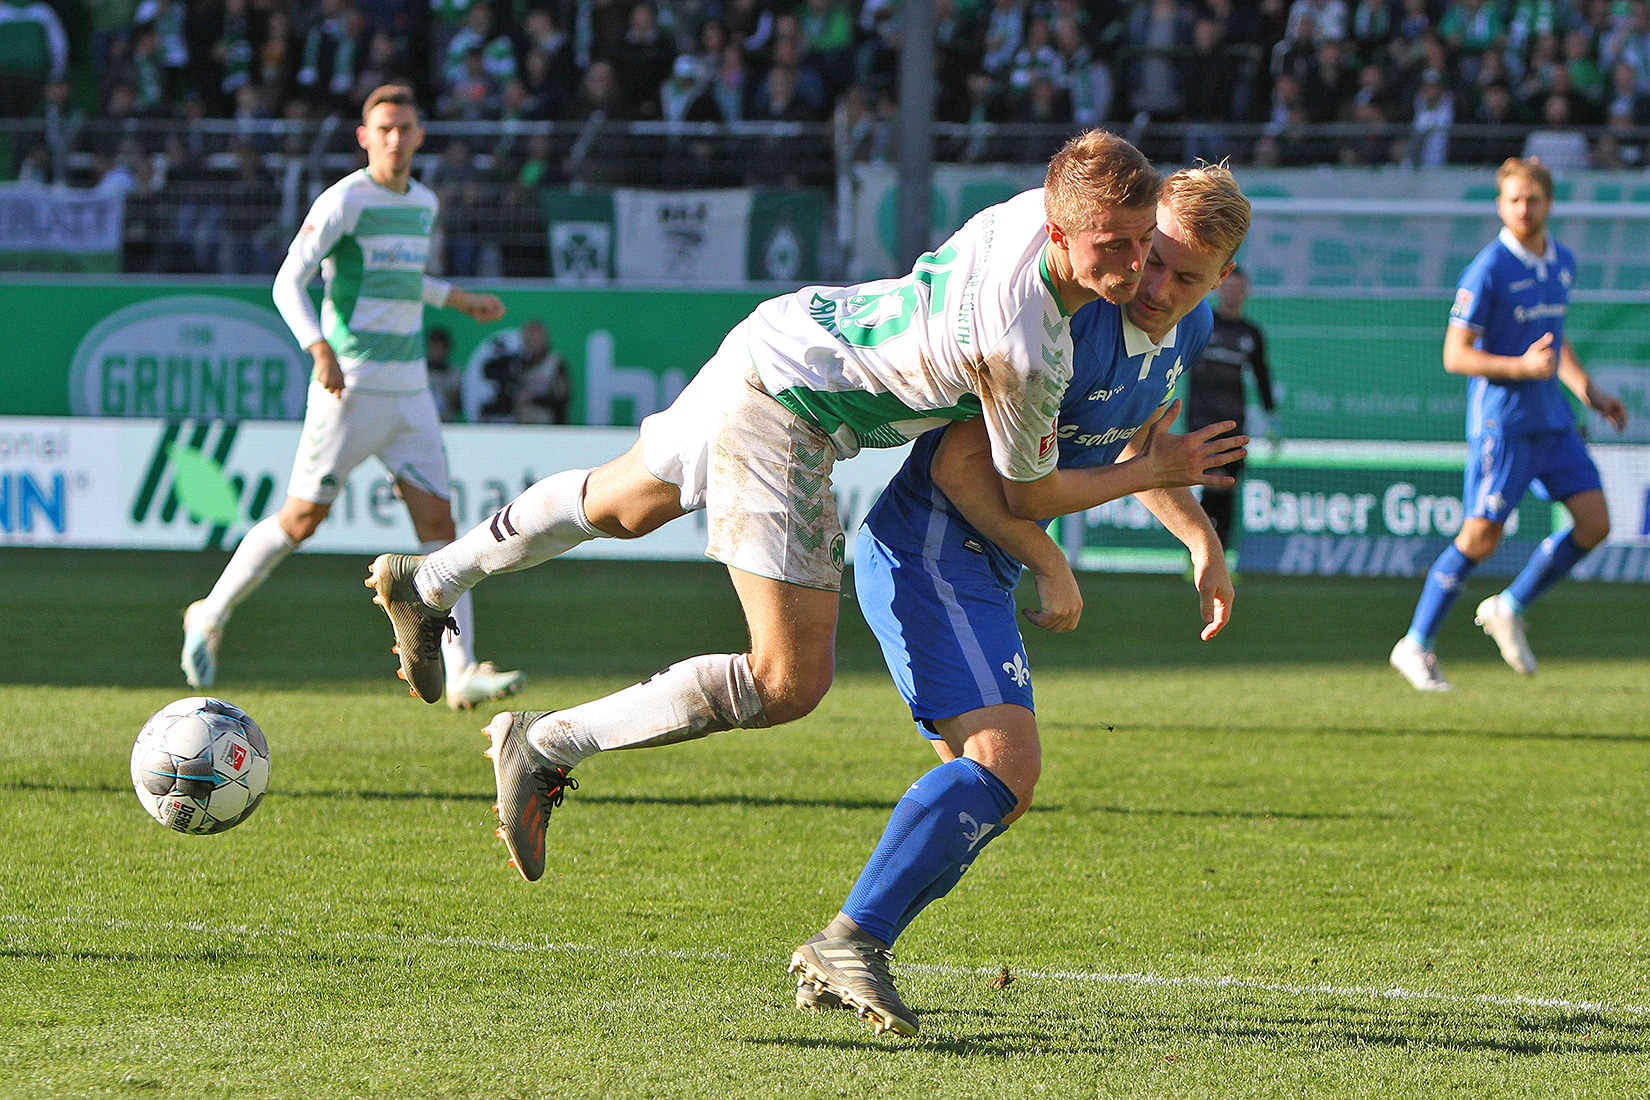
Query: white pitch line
(1146,980)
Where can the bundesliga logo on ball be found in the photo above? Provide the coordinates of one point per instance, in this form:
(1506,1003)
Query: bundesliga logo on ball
(200,765)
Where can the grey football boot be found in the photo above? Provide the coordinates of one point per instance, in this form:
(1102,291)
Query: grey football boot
(854,966)
(418,626)
(809,995)
(528,789)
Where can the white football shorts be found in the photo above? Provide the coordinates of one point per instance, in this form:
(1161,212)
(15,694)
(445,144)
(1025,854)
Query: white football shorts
(401,430)
(761,473)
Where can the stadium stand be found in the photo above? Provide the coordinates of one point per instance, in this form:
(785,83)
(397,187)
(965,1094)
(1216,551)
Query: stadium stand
(220,119)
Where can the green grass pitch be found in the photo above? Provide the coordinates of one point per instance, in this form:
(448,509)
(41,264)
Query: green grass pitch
(1258,867)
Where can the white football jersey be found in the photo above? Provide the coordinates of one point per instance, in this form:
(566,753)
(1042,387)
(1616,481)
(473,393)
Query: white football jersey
(975,329)
(370,244)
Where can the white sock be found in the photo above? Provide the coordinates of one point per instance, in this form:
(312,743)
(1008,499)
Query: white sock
(261,550)
(458,647)
(545,520)
(690,699)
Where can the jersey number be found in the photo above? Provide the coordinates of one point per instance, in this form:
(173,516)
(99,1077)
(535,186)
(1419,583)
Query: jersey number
(874,319)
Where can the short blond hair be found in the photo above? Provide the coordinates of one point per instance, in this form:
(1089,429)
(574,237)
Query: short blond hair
(1531,169)
(1210,207)
(397,95)
(1097,169)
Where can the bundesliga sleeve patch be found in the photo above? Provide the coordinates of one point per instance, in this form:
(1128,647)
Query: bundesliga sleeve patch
(1463,303)
(1046,444)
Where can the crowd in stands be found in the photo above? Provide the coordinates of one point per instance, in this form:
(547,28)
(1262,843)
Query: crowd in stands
(1279,62)
(1415,81)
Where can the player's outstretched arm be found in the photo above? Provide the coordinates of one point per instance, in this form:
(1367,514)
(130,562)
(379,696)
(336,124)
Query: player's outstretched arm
(1178,510)
(1163,460)
(962,469)
(1580,383)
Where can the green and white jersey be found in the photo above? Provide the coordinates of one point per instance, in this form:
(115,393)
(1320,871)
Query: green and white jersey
(370,244)
(975,329)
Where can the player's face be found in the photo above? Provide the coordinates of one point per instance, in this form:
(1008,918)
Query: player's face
(1177,277)
(391,135)
(1107,258)
(1523,207)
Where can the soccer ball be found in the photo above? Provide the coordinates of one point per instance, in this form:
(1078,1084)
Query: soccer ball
(200,765)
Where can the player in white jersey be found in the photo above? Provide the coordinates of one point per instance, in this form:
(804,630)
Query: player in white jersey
(369,235)
(978,328)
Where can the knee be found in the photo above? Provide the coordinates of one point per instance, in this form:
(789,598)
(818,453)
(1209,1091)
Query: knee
(791,694)
(1023,785)
(299,526)
(1590,532)
(1478,542)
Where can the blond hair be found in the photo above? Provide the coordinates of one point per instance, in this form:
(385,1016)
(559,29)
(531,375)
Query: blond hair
(1210,207)
(1531,169)
(1097,169)
(397,95)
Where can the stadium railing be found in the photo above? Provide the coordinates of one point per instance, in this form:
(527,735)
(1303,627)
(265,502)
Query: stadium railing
(186,174)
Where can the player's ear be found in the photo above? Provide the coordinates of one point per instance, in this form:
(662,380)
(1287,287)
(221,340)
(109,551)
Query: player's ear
(361,136)
(1056,235)
(1231,265)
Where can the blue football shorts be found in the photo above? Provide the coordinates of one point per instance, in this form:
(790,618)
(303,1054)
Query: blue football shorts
(1500,468)
(947,631)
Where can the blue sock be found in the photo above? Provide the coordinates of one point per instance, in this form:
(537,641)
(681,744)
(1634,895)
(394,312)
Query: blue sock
(931,838)
(1444,582)
(1551,563)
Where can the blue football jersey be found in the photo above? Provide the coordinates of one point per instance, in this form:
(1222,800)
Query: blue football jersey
(1119,379)
(1509,297)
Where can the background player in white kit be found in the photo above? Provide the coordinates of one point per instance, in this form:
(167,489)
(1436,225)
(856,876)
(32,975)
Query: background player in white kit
(980,327)
(369,235)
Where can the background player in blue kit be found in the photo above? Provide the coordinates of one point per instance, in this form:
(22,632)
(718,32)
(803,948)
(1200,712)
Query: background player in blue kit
(939,555)
(1506,332)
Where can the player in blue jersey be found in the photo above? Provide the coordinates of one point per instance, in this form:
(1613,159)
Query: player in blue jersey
(979,328)
(938,557)
(1506,333)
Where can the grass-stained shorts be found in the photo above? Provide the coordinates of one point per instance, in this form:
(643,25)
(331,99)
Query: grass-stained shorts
(761,473)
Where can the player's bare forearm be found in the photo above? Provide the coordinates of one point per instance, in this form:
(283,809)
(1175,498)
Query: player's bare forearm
(1180,512)
(485,308)
(1064,491)
(1579,382)
(326,369)
(1156,458)
(1462,356)
(962,470)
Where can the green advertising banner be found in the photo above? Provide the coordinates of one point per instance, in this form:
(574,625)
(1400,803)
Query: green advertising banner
(219,350)
(1344,367)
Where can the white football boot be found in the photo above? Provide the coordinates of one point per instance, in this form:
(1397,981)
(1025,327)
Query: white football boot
(200,647)
(1506,626)
(1418,666)
(479,683)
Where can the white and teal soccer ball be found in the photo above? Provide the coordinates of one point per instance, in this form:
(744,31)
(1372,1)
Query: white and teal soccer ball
(200,765)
